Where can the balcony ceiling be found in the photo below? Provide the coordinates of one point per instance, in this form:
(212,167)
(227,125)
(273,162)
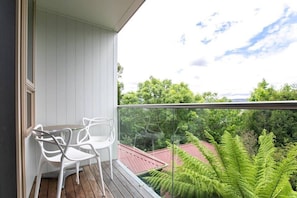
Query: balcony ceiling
(109,14)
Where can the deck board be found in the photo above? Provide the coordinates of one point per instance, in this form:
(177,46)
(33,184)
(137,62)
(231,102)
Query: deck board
(129,191)
(123,185)
(117,187)
(140,188)
(86,186)
(96,191)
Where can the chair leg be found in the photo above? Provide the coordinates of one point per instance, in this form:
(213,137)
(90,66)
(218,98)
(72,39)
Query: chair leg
(77,172)
(110,162)
(60,181)
(38,178)
(90,159)
(101,175)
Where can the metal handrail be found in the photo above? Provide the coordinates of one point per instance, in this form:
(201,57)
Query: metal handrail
(273,105)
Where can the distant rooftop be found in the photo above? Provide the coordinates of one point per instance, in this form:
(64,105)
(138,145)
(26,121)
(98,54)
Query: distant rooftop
(166,154)
(140,162)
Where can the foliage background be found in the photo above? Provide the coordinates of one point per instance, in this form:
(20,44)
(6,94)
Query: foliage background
(150,129)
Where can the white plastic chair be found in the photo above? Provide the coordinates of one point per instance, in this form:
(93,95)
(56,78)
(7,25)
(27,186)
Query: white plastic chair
(100,133)
(57,151)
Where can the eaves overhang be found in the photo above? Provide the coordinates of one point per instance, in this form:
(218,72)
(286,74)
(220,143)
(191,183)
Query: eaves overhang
(108,14)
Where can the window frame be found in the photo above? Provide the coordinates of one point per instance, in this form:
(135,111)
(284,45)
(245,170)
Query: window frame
(27,84)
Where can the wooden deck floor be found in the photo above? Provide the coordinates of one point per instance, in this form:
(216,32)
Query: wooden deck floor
(123,184)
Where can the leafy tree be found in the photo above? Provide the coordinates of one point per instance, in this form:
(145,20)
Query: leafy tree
(171,124)
(210,98)
(230,171)
(130,98)
(263,92)
(155,126)
(281,122)
(216,121)
(155,91)
(284,124)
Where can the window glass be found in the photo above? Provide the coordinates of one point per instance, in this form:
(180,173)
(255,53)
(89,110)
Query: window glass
(29,109)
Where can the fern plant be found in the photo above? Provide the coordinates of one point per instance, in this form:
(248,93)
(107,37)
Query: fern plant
(230,171)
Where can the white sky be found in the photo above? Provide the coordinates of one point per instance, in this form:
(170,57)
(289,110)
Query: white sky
(222,46)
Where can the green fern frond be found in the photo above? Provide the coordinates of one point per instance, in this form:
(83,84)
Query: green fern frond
(184,189)
(158,178)
(283,172)
(212,158)
(218,150)
(239,166)
(264,163)
(193,163)
(201,181)
(272,177)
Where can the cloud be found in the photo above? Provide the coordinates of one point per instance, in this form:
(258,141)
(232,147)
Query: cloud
(199,62)
(206,41)
(180,71)
(221,28)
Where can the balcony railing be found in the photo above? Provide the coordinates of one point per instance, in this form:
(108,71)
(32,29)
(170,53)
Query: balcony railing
(146,130)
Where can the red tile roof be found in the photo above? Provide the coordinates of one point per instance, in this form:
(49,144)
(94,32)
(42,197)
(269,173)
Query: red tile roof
(166,154)
(138,161)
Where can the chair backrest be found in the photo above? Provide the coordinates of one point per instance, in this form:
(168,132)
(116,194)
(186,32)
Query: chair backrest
(99,127)
(86,121)
(52,143)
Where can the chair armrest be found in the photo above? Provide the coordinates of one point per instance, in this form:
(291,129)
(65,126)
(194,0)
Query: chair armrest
(84,137)
(79,145)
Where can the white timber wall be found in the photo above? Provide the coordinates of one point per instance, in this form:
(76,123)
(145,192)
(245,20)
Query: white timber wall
(75,70)
(75,76)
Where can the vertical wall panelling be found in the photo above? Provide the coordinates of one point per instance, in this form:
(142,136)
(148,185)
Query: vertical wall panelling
(51,69)
(97,60)
(32,151)
(115,85)
(103,84)
(88,71)
(75,70)
(40,66)
(113,81)
(79,68)
(61,71)
(70,70)
(111,69)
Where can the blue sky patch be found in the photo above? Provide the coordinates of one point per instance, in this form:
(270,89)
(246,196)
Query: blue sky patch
(223,27)
(267,41)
